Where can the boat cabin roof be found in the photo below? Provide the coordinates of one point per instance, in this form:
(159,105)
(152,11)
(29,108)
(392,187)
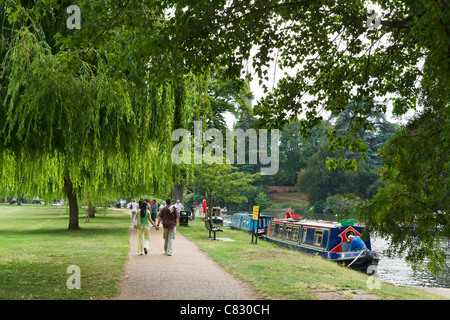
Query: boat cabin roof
(327,225)
(251,215)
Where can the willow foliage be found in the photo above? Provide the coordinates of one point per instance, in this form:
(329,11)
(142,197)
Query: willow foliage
(64,119)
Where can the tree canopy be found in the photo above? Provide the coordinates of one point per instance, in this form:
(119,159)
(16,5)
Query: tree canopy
(222,182)
(340,57)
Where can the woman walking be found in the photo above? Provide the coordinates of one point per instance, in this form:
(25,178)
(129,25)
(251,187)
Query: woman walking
(144,229)
(134,208)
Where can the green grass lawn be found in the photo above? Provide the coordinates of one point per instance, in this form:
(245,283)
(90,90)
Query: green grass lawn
(36,249)
(286,200)
(283,274)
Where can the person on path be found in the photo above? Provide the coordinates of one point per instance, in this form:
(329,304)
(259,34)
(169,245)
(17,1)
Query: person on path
(179,206)
(134,208)
(144,229)
(169,216)
(155,210)
(193,211)
(162,206)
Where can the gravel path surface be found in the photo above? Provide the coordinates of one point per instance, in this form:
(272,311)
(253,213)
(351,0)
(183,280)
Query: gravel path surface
(187,275)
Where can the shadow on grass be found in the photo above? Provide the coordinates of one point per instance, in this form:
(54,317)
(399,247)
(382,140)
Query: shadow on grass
(100,230)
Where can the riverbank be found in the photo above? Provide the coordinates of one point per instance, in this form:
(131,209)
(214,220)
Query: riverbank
(281,274)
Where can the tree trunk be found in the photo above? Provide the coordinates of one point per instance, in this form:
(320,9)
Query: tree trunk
(91,209)
(178,194)
(73,204)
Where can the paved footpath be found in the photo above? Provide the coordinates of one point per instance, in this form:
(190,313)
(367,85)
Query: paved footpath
(189,274)
(445,292)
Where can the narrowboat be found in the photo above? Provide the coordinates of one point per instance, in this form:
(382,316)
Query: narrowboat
(328,240)
(245,222)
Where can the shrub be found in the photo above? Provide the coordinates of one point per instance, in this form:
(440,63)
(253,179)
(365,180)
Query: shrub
(319,207)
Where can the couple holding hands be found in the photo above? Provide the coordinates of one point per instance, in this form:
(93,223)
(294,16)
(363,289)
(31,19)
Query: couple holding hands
(169,217)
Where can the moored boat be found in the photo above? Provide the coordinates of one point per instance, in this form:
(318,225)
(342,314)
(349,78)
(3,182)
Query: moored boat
(245,222)
(328,240)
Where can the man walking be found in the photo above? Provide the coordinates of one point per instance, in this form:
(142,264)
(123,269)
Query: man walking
(169,216)
(154,208)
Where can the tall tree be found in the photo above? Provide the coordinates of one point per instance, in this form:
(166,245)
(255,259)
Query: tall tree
(221,182)
(295,150)
(81,109)
(319,182)
(413,208)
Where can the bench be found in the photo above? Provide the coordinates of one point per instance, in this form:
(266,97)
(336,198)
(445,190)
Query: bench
(211,228)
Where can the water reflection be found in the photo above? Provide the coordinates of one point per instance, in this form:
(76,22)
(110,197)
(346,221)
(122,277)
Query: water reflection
(392,270)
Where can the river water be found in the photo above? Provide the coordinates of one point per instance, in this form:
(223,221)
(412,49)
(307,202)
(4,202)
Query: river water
(398,272)
(392,270)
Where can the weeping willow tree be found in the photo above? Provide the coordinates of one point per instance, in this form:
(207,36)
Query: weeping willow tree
(73,129)
(83,114)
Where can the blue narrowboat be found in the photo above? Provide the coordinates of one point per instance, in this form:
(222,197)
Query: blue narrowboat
(245,222)
(328,240)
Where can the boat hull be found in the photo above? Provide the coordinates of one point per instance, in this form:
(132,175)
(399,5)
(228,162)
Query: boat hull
(245,222)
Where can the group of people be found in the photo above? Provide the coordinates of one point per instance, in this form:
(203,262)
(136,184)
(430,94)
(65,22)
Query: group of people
(146,211)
